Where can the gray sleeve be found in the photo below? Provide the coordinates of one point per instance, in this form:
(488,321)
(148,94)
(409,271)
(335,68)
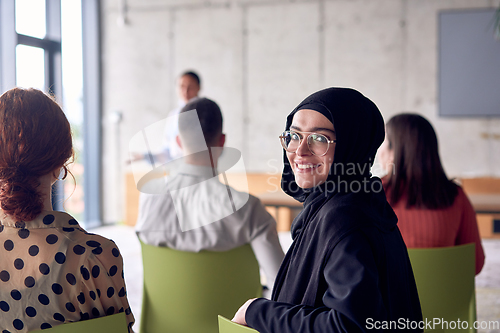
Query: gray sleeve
(265,242)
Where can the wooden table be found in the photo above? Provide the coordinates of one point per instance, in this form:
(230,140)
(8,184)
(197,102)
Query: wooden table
(485,203)
(283,207)
(487,207)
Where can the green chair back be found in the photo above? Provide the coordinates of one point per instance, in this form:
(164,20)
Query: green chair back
(445,284)
(185,291)
(116,323)
(227,326)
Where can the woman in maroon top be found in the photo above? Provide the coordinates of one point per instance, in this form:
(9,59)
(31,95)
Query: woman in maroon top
(433,211)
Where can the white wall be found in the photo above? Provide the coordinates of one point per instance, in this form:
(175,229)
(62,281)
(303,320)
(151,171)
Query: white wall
(258,59)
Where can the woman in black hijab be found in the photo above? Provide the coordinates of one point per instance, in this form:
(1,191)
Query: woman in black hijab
(347,269)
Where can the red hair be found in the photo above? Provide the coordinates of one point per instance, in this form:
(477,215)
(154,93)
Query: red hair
(35,140)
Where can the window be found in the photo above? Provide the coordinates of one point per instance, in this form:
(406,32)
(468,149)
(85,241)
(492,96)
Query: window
(47,45)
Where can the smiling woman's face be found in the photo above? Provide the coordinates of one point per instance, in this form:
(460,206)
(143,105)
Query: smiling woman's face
(311,170)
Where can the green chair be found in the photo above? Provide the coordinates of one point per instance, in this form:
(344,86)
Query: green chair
(227,326)
(445,284)
(185,291)
(116,323)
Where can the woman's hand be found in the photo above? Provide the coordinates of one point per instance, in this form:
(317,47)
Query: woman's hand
(239,317)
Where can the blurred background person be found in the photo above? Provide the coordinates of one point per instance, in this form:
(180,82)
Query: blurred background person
(188,88)
(433,211)
(188,211)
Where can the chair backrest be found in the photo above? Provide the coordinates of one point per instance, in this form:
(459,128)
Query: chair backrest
(185,291)
(227,326)
(445,284)
(116,323)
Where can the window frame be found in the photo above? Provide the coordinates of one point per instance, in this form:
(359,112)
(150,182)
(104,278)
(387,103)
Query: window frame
(92,105)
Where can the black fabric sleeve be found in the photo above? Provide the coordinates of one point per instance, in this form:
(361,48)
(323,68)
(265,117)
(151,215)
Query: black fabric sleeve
(352,299)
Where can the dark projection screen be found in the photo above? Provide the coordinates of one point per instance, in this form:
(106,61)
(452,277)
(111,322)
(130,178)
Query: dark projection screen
(469,64)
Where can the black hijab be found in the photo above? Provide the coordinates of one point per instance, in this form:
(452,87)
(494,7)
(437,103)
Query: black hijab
(359,129)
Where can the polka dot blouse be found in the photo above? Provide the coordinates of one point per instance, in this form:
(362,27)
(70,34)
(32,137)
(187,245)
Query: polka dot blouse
(53,272)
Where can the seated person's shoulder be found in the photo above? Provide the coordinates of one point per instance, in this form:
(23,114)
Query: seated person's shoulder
(102,245)
(94,245)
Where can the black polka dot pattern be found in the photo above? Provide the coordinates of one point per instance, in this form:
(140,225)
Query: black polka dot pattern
(57,288)
(70,307)
(59,317)
(16,294)
(44,269)
(84,316)
(33,250)
(85,273)
(29,282)
(60,258)
(48,219)
(53,250)
(19,263)
(95,271)
(8,245)
(97,250)
(4,306)
(43,299)
(78,249)
(52,239)
(81,298)
(71,279)
(30,311)
(113,270)
(23,233)
(93,243)
(4,276)
(18,324)
(20,225)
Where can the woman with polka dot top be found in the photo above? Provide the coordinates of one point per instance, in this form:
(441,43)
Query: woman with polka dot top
(51,270)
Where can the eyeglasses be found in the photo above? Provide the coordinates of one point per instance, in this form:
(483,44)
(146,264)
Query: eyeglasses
(318,144)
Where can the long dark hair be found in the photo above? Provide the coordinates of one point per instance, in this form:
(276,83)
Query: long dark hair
(35,139)
(417,172)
